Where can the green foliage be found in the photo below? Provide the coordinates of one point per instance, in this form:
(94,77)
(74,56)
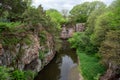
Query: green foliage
(9,29)
(9,74)
(56,20)
(14,9)
(110,48)
(29,75)
(91,21)
(9,25)
(33,19)
(11,33)
(90,67)
(4,73)
(41,54)
(80,12)
(42,36)
(18,75)
(22,75)
(102,37)
(7,41)
(38,17)
(27,40)
(78,40)
(50,22)
(81,41)
(56,17)
(106,22)
(115,11)
(101,27)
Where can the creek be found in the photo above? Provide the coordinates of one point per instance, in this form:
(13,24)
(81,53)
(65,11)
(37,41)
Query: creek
(64,66)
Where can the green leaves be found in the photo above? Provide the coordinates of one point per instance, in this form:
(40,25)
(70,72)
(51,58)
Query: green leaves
(81,12)
(102,36)
(33,16)
(14,9)
(9,74)
(79,40)
(4,75)
(110,48)
(18,75)
(115,12)
(56,17)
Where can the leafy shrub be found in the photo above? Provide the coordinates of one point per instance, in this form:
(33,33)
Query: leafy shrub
(80,40)
(23,75)
(110,49)
(4,73)
(9,24)
(9,74)
(18,75)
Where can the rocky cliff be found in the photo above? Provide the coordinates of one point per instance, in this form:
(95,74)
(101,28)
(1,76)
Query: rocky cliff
(26,48)
(68,30)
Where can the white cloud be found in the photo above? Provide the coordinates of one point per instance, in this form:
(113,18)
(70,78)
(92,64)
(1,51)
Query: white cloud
(63,4)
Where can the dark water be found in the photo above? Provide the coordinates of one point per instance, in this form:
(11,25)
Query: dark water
(60,68)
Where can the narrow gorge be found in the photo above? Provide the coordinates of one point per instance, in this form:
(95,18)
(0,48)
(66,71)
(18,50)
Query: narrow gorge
(59,40)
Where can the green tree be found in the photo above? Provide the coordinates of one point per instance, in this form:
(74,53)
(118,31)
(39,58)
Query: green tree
(109,20)
(80,12)
(100,29)
(110,48)
(34,16)
(115,12)
(56,17)
(91,21)
(14,8)
(79,40)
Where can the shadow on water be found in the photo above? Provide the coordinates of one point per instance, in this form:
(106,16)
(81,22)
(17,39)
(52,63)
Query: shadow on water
(60,67)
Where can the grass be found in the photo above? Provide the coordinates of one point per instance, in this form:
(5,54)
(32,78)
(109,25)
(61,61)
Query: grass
(90,67)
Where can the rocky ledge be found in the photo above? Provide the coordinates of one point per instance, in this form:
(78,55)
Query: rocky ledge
(26,49)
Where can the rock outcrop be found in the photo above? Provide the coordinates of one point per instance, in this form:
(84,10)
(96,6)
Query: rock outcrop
(80,27)
(112,73)
(67,31)
(32,49)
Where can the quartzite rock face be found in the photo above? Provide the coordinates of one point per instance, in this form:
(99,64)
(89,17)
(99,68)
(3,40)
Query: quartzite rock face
(26,56)
(67,32)
(112,73)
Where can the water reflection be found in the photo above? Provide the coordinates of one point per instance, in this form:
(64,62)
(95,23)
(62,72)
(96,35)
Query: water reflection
(60,67)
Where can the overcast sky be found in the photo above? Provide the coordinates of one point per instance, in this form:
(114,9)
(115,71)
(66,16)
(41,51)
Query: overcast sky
(63,4)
